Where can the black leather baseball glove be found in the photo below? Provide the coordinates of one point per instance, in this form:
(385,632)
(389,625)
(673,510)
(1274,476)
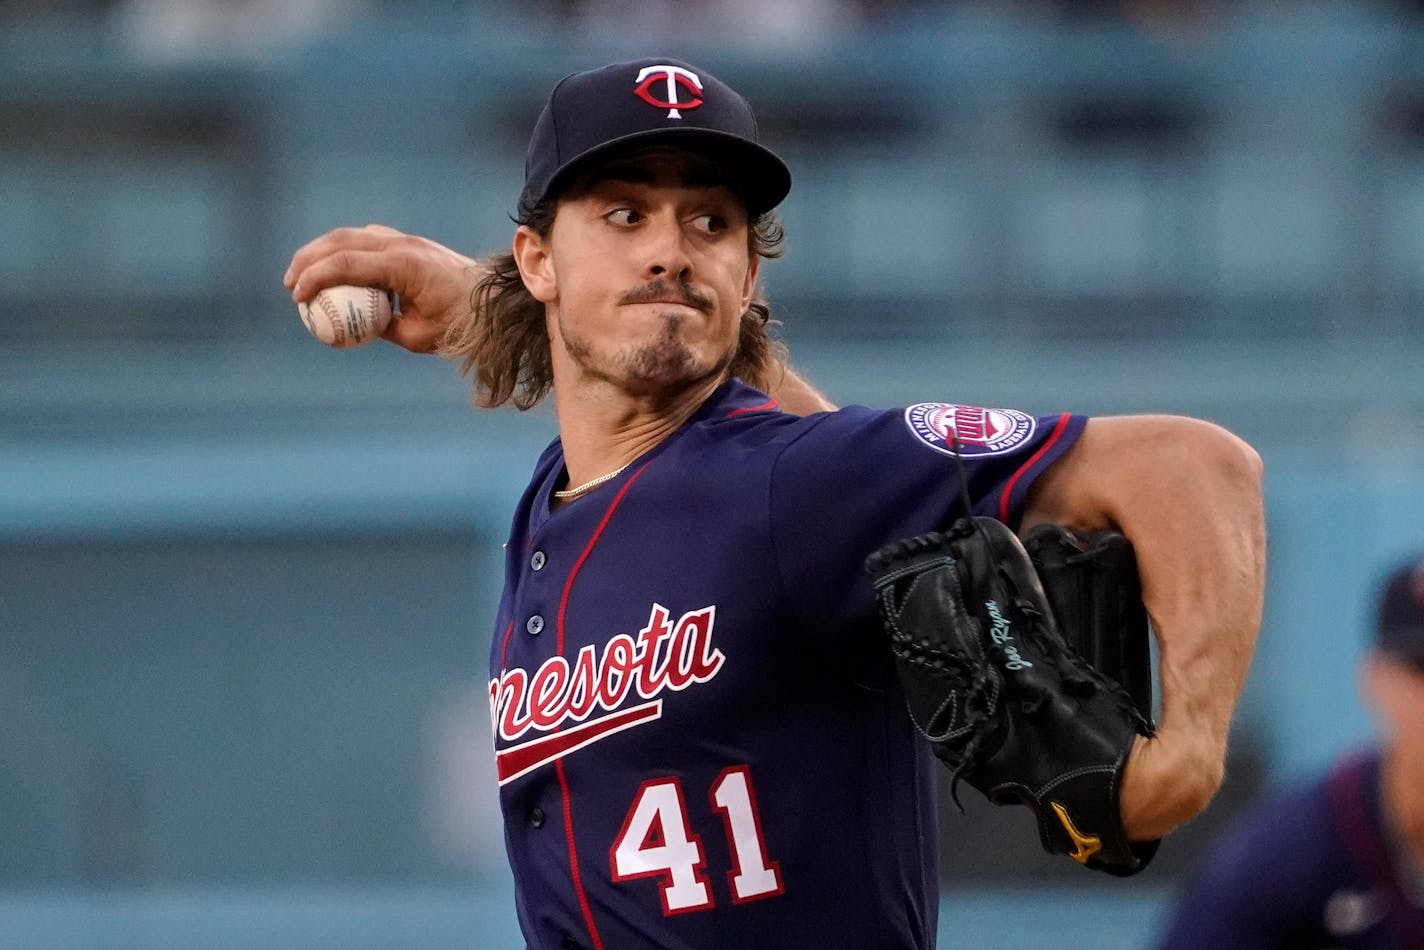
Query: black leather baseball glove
(995,673)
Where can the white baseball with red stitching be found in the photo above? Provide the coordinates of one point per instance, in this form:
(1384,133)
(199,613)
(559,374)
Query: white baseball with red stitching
(346,316)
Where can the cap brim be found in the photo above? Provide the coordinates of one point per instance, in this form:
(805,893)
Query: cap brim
(764,178)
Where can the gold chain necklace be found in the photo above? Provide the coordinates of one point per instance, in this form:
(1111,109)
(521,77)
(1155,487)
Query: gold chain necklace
(575,492)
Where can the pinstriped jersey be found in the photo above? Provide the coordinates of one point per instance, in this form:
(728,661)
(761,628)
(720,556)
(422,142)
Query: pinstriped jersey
(699,737)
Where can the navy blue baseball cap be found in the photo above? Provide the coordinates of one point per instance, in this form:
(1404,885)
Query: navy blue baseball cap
(1400,630)
(650,102)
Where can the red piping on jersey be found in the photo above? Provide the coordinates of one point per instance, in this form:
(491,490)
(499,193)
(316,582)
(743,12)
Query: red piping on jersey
(573,855)
(769,404)
(588,549)
(504,650)
(1346,788)
(1354,814)
(1008,491)
(559,763)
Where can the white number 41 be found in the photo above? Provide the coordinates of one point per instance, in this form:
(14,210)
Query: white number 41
(656,842)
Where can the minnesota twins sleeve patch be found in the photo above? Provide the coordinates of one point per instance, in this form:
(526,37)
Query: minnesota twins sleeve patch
(976,430)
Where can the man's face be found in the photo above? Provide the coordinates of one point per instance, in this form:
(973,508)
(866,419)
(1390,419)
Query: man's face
(1396,690)
(645,273)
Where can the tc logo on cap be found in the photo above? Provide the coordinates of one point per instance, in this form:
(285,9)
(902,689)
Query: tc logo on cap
(671,77)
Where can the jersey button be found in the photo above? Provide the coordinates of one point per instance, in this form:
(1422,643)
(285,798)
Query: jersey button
(569,943)
(536,817)
(537,561)
(534,624)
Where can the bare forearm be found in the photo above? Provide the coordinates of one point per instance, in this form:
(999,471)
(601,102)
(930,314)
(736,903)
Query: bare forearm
(1188,495)
(1197,521)
(1205,599)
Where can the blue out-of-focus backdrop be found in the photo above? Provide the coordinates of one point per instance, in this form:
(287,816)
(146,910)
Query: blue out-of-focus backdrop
(247,582)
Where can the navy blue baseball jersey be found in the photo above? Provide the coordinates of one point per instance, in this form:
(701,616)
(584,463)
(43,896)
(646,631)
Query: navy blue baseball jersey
(1312,868)
(699,737)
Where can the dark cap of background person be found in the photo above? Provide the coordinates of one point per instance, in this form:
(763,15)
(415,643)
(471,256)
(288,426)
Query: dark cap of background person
(1400,629)
(650,102)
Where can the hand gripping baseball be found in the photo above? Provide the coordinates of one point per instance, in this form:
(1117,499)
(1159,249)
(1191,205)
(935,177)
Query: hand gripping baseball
(1006,703)
(432,282)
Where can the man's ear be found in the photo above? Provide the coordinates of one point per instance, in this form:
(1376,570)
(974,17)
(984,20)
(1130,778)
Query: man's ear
(1379,685)
(749,286)
(1367,679)
(536,266)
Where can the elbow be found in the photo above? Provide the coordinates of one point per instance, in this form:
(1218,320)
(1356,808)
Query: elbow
(1223,455)
(1226,476)
(1240,460)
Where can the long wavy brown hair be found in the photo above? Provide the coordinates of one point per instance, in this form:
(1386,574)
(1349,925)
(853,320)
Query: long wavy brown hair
(502,342)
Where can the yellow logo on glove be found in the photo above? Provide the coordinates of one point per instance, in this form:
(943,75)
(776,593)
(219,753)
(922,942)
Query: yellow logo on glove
(1084,846)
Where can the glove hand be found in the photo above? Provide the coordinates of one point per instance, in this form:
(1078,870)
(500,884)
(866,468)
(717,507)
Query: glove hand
(1004,699)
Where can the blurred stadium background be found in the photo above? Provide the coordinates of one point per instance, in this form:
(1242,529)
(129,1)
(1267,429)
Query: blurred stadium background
(246,582)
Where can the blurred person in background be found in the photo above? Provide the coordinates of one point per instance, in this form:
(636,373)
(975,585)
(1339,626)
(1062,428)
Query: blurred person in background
(1337,862)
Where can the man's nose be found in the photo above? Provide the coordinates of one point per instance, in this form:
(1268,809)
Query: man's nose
(667,252)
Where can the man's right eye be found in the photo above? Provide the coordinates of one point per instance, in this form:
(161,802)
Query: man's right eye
(622,216)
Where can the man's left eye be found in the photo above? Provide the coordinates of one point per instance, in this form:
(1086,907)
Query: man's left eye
(711,223)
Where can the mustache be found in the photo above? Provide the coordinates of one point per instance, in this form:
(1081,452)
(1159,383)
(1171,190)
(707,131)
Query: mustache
(660,290)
